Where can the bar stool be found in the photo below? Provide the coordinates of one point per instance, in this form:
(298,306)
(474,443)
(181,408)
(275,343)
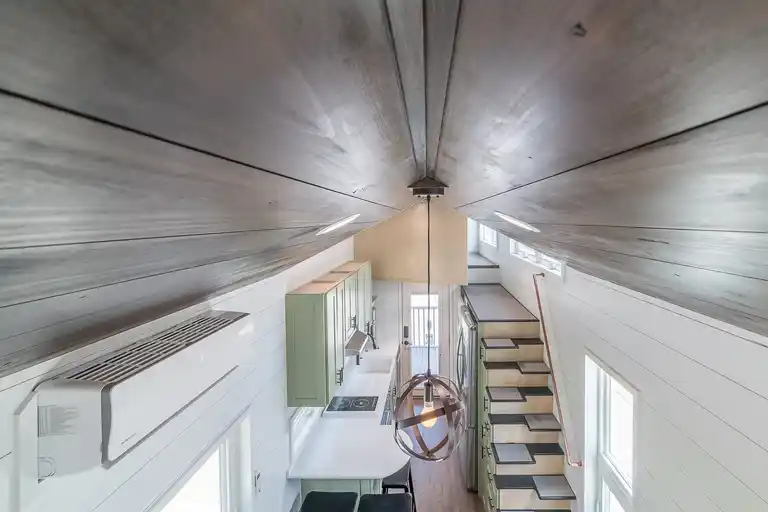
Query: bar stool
(320,501)
(400,479)
(386,503)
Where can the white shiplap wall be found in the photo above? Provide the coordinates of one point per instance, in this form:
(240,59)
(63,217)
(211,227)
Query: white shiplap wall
(258,386)
(702,425)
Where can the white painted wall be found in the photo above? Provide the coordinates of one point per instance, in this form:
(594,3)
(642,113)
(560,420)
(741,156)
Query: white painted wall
(473,235)
(257,386)
(703,387)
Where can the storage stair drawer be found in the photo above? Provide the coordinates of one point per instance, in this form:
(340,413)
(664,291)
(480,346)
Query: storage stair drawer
(511,349)
(517,400)
(520,428)
(512,373)
(525,458)
(528,493)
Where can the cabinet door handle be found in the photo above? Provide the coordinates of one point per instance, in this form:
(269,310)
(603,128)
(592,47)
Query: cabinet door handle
(482,353)
(486,452)
(340,376)
(486,403)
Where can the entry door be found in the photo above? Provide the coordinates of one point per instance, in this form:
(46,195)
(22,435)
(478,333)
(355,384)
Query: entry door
(427,318)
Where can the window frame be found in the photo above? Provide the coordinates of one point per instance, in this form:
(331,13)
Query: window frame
(605,473)
(530,255)
(489,236)
(233,449)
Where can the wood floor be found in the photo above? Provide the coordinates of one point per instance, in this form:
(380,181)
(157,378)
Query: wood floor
(439,486)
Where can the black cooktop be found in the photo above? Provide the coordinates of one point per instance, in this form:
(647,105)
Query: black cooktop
(353,404)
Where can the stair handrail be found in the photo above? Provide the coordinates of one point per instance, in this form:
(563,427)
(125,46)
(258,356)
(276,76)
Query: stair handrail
(571,462)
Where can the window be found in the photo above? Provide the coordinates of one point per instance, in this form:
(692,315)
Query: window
(526,252)
(535,257)
(610,503)
(488,235)
(551,263)
(218,482)
(610,439)
(204,491)
(425,322)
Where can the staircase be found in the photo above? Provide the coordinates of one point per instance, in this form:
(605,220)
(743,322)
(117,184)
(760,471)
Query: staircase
(520,460)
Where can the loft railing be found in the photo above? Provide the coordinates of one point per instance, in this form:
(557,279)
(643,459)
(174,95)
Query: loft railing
(568,457)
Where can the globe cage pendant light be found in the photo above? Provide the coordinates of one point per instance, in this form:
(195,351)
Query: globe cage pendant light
(442,398)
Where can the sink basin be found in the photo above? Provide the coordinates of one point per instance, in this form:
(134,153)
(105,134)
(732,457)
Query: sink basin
(371,363)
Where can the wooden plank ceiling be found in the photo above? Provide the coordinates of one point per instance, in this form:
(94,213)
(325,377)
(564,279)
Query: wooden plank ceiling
(632,134)
(155,153)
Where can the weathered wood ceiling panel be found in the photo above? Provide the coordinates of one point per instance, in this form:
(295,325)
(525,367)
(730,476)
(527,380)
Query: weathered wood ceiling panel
(406,18)
(711,178)
(531,95)
(684,219)
(71,180)
(738,253)
(40,329)
(102,228)
(308,90)
(440,20)
(736,300)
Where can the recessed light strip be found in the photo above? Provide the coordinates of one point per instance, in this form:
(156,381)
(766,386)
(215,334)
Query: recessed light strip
(337,225)
(516,222)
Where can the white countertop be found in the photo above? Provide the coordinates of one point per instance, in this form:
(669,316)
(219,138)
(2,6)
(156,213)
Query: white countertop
(355,445)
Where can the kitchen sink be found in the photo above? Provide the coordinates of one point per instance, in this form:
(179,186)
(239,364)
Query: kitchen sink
(371,363)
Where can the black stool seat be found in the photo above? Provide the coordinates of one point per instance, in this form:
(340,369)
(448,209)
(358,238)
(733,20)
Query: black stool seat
(318,501)
(386,503)
(399,479)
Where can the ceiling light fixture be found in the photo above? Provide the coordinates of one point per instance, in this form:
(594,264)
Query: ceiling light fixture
(516,222)
(337,225)
(443,408)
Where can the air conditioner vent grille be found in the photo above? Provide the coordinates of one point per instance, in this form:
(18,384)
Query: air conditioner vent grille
(118,366)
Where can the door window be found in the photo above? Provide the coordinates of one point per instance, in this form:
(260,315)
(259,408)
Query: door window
(425,332)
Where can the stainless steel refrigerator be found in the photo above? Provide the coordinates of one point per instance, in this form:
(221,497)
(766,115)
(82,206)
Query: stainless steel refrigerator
(466,369)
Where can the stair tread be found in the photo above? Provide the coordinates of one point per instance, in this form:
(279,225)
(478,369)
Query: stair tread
(493,303)
(523,453)
(516,393)
(509,343)
(476,260)
(512,453)
(547,487)
(524,367)
(534,422)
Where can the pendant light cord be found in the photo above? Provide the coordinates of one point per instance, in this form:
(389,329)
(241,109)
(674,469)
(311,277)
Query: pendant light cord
(429,291)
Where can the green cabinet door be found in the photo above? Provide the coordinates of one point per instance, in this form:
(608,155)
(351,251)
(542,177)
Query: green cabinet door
(333,378)
(341,331)
(307,350)
(350,289)
(366,276)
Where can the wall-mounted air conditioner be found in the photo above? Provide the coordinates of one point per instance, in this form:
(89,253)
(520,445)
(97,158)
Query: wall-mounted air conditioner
(95,413)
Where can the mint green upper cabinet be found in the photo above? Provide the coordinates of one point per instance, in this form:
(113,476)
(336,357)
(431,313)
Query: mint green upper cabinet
(318,320)
(308,357)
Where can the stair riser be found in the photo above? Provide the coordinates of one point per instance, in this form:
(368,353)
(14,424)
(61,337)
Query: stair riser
(508,330)
(521,434)
(498,378)
(527,499)
(523,353)
(534,405)
(545,465)
(483,275)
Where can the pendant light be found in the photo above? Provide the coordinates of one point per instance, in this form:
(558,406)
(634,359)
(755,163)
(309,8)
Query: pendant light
(443,409)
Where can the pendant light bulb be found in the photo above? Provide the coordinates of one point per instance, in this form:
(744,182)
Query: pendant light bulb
(428,407)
